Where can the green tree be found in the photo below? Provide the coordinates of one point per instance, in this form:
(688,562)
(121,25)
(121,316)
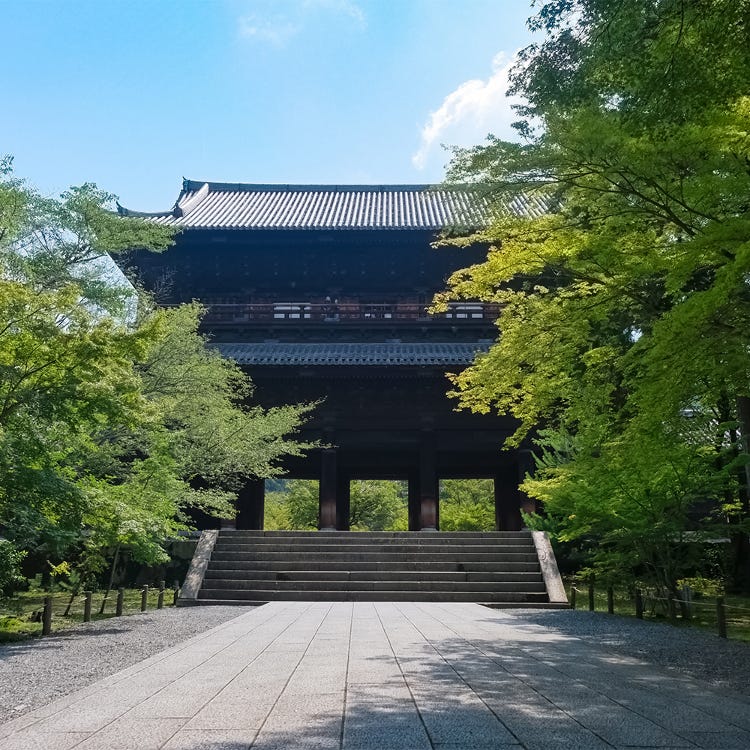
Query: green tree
(467,505)
(375,505)
(625,315)
(116,418)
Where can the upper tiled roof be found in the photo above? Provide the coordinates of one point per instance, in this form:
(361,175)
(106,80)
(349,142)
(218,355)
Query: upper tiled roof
(211,205)
(353,354)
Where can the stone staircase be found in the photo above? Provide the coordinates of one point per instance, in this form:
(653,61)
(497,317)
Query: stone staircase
(254,567)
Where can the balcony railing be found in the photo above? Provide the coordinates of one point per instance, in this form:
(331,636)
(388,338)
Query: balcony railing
(331,312)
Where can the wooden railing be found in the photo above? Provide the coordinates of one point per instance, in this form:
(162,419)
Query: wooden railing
(332,312)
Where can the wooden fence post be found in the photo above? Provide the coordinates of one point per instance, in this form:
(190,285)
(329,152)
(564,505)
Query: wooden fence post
(672,608)
(175,596)
(47,616)
(591,594)
(87,605)
(573,596)
(721,617)
(160,598)
(610,600)
(638,604)
(120,599)
(687,599)
(144,598)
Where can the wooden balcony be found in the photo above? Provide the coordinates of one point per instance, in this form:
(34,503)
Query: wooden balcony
(331,313)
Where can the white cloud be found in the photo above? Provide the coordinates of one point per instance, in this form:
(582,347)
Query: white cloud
(277,28)
(274,31)
(474,109)
(343,7)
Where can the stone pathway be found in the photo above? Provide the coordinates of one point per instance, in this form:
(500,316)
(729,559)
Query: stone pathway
(385,677)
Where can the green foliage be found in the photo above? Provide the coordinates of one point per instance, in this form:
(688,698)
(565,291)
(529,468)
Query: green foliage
(10,572)
(378,505)
(374,506)
(625,319)
(467,505)
(115,418)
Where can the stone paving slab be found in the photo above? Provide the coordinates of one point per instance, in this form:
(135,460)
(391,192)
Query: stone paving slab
(386,676)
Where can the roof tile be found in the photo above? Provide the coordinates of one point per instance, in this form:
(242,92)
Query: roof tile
(400,354)
(209,205)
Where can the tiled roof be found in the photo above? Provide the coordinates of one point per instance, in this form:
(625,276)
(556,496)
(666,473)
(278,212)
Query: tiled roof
(352,354)
(210,205)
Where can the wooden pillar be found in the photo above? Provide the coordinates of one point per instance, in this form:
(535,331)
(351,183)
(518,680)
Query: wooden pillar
(526,465)
(327,491)
(343,501)
(251,501)
(507,501)
(429,486)
(414,500)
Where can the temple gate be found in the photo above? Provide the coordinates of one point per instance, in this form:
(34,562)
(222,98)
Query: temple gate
(320,292)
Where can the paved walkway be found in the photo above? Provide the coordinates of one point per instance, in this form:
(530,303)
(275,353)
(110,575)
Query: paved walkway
(385,677)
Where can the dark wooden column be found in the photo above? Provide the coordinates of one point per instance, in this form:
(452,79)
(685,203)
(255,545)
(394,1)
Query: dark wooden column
(251,501)
(526,465)
(429,486)
(343,501)
(413,501)
(327,491)
(507,501)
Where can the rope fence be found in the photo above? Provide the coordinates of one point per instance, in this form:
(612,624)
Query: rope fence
(676,608)
(115,603)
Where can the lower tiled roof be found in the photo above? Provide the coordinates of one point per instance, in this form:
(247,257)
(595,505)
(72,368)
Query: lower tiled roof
(398,354)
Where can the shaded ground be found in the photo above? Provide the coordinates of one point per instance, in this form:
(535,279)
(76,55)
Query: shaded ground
(409,676)
(36,671)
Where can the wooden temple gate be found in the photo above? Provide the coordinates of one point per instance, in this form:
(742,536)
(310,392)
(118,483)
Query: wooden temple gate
(320,293)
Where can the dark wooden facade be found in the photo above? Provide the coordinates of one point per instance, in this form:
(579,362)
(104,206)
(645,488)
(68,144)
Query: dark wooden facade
(320,307)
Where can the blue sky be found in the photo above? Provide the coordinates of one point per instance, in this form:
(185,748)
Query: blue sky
(135,94)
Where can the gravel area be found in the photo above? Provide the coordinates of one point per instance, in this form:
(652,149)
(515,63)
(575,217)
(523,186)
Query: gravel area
(699,653)
(36,672)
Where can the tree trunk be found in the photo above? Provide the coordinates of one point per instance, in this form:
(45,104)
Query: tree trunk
(743,417)
(111,581)
(73,596)
(740,544)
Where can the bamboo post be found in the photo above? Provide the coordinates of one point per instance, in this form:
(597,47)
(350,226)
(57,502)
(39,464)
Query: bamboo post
(721,617)
(638,604)
(87,605)
(160,598)
(610,600)
(144,598)
(120,599)
(47,616)
(591,594)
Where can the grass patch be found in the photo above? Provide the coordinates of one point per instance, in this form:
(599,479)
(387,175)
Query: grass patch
(20,617)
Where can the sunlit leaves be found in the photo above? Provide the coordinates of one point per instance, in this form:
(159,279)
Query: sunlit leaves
(623,341)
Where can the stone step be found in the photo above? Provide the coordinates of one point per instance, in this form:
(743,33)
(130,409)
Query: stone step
(372,575)
(375,548)
(478,600)
(346,542)
(369,565)
(495,568)
(264,595)
(384,585)
(358,535)
(457,556)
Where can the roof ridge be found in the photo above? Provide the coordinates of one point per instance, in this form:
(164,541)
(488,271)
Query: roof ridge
(241,187)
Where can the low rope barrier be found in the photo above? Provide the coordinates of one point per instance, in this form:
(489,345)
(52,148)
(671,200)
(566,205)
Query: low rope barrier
(686,605)
(80,606)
